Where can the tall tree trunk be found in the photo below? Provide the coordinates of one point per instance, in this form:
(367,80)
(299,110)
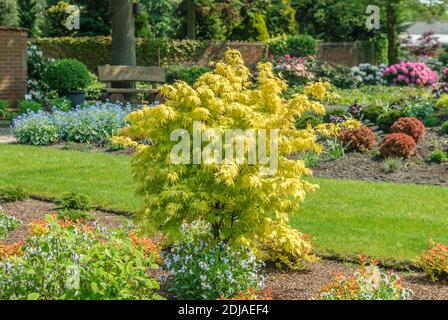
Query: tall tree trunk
(123,35)
(392,25)
(191,19)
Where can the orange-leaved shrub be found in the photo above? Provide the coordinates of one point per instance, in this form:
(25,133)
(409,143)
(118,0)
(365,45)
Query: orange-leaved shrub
(361,139)
(8,250)
(398,145)
(434,262)
(411,126)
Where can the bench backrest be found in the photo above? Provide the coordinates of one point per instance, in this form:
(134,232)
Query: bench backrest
(130,73)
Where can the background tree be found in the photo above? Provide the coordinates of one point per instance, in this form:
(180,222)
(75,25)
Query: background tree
(123,35)
(8,13)
(163,17)
(28,10)
(191,19)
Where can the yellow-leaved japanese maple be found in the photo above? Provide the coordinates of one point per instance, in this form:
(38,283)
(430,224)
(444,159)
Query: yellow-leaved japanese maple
(240,202)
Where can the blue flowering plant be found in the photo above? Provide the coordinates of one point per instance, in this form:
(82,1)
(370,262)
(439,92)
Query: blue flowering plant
(208,270)
(35,128)
(92,124)
(95,123)
(7,223)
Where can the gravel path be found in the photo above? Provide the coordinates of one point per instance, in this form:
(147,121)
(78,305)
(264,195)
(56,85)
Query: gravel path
(6,136)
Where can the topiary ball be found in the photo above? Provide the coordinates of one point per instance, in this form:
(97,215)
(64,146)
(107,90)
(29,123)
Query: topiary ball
(67,76)
(361,139)
(398,145)
(411,126)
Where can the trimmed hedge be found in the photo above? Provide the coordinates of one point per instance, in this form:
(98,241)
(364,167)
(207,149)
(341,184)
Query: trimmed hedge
(97,51)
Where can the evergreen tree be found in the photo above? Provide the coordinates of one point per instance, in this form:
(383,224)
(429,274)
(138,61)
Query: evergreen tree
(28,10)
(8,13)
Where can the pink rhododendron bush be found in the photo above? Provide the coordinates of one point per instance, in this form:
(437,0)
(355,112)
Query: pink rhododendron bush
(410,73)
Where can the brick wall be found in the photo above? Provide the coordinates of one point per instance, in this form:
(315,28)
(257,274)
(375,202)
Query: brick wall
(252,52)
(13,64)
(346,53)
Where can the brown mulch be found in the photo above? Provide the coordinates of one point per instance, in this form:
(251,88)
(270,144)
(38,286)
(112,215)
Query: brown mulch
(305,285)
(30,210)
(362,166)
(285,285)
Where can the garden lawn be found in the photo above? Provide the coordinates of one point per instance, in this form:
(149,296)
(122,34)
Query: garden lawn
(382,220)
(105,178)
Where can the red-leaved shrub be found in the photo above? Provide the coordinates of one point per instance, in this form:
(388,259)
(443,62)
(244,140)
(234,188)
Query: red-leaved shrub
(411,126)
(398,145)
(361,139)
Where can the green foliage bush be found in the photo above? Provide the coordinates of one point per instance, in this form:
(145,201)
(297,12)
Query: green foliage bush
(387,119)
(281,18)
(61,104)
(97,51)
(422,110)
(109,266)
(187,73)
(28,11)
(67,75)
(3,106)
(445,127)
(203,269)
(298,45)
(12,194)
(29,105)
(340,76)
(8,13)
(442,103)
(73,201)
(251,28)
(437,156)
(305,121)
(55,16)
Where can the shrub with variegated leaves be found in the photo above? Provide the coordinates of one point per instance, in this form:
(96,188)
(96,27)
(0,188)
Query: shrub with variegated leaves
(434,261)
(367,283)
(239,201)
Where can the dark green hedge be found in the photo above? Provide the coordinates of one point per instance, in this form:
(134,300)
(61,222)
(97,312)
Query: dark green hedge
(96,51)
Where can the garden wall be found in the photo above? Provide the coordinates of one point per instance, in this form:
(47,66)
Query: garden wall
(347,53)
(13,64)
(95,51)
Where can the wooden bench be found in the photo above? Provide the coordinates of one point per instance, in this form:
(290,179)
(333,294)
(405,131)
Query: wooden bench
(116,74)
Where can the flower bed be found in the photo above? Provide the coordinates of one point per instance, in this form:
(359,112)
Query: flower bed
(93,124)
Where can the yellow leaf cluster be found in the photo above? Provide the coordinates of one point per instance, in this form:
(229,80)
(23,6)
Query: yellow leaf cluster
(236,198)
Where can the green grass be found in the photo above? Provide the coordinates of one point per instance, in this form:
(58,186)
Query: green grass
(105,178)
(382,220)
(379,95)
